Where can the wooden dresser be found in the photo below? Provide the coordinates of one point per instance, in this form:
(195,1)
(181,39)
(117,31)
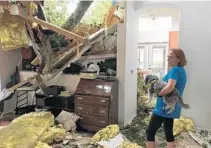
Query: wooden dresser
(96,101)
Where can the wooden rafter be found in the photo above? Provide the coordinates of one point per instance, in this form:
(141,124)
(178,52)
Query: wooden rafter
(65,56)
(82,49)
(22,83)
(58,30)
(72,55)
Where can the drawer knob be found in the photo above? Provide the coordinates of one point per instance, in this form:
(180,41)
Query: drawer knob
(80,108)
(102,122)
(103,101)
(79,98)
(102,111)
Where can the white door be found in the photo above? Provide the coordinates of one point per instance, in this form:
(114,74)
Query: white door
(153,56)
(141,58)
(157,59)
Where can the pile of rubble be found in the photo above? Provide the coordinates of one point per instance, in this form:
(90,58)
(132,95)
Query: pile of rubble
(42,130)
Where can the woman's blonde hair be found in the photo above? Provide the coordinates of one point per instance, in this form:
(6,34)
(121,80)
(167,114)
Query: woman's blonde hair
(180,55)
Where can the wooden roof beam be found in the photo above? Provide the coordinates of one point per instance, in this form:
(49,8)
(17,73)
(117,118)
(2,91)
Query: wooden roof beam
(22,13)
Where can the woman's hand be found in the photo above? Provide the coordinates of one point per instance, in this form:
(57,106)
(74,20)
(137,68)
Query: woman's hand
(168,88)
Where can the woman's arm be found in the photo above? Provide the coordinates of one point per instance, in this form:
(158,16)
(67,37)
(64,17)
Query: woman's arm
(168,88)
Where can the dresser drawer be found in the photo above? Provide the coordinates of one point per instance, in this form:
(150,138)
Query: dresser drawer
(92,100)
(91,110)
(93,121)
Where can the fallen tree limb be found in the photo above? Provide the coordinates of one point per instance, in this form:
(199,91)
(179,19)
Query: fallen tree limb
(76,16)
(58,30)
(34,44)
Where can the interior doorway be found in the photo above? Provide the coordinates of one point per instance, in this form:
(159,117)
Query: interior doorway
(152,56)
(158,32)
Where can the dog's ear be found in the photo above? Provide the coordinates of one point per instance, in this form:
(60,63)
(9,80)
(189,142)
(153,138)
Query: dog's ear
(146,79)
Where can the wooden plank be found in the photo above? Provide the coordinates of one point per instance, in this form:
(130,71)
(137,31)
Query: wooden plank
(54,28)
(64,56)
(59,30)
(103,56)
(13,88)
(34,44)
(92,39)
(110,15)
(39,81)
(59,71)
(78,50)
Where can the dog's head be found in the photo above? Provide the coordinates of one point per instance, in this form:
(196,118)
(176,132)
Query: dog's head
(149,78)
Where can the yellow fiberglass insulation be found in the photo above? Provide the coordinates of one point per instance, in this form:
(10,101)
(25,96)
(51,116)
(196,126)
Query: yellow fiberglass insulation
(183,124)
(128,144)
(106,133)
(42,145)
(13,32)
(54,133)
(24,131)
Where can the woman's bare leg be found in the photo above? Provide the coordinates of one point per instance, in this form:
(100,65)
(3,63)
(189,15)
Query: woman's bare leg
(170,144)
(150,144)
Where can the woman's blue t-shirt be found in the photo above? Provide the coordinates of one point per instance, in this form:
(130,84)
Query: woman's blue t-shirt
(177,73)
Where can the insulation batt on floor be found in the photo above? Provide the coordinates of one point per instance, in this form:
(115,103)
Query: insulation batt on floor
(24,131)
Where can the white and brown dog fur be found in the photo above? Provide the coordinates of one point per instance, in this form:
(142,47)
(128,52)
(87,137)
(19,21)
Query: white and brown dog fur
(154,86)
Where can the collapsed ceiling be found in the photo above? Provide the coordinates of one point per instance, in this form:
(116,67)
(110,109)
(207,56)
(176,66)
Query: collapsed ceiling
(21,17)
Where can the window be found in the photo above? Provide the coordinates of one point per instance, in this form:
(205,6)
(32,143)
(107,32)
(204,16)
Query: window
(140,57)
(158,57)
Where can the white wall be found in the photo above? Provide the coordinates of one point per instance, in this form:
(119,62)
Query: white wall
(194,39)
(66,80)
(69,81)
(153,36)
(8,62)
(195,35)
(126,65)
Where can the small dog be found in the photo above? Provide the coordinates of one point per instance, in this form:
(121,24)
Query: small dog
(154,86)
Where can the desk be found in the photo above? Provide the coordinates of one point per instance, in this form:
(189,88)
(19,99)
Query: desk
(58,102)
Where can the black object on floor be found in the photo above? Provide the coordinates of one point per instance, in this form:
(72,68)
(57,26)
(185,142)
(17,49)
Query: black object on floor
(53,90)
(58,102)
(55,111)
(24,110)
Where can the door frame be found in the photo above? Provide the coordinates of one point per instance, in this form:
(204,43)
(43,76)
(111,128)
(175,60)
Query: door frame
(146,46)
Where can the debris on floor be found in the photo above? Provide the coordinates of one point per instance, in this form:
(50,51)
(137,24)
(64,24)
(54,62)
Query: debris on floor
(111,137)
(128,144)
(42,145)
(55,133)
(202,137)
(106,133)
(183,124)
(39,130)
(68,120)
(74,140)
(135,131)
(186,141)
(113,142)
(25,130)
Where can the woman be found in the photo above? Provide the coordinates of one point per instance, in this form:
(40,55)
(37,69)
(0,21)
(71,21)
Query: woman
(176,77)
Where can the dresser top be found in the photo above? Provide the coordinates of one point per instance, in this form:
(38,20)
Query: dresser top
(94,87)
